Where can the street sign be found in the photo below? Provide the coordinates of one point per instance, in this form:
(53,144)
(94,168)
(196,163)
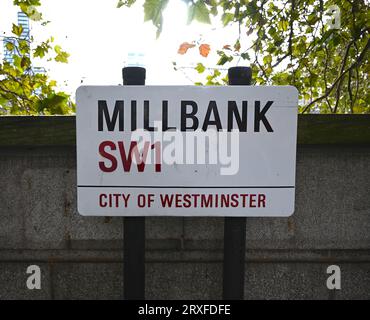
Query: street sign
(186,150)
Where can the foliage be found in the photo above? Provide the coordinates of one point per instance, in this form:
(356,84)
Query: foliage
(292,43)
(24,90)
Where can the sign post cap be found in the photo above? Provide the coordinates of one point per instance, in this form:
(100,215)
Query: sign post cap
(240,75)
(134,75)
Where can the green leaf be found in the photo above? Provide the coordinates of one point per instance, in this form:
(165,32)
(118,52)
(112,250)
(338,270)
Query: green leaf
(55,104)
(191,12)
(213,11)
(200,68)
(127,3)
(301,47)
(312,18)
(272,31)
(58,49)
(24,47)
(25,63)
(227,18)
(223,59)
(252,9)
(29,8)
(41,50)
(17,62)
(267,59)
(245,56)
(61,56)
(17,30)
(283,25)
(153,12)
(336,39)
(120,4)
(9,46)
(199,11)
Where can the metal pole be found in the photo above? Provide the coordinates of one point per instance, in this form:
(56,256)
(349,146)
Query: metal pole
(235,227)
(134,227)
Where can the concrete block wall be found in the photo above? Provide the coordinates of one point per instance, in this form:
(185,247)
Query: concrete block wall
(286,258)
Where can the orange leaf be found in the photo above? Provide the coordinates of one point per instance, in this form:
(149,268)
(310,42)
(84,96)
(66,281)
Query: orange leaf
(226,47)
(184,47)
(204,50)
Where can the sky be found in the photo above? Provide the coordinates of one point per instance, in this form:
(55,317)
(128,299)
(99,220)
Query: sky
(98,37)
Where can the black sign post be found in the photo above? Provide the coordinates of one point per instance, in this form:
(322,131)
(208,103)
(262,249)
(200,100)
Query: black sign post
(134,227)
(235,227)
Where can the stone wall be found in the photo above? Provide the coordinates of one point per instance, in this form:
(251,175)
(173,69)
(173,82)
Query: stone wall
(286,258)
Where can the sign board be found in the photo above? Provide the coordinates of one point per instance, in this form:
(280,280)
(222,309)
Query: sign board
(186,150)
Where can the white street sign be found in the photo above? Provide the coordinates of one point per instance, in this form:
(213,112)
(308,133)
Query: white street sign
(186,150)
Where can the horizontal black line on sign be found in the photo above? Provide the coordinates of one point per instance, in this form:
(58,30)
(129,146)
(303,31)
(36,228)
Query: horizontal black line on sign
(194,187)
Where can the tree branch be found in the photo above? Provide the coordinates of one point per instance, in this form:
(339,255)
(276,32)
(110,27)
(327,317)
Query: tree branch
(344,61)
(353,65)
